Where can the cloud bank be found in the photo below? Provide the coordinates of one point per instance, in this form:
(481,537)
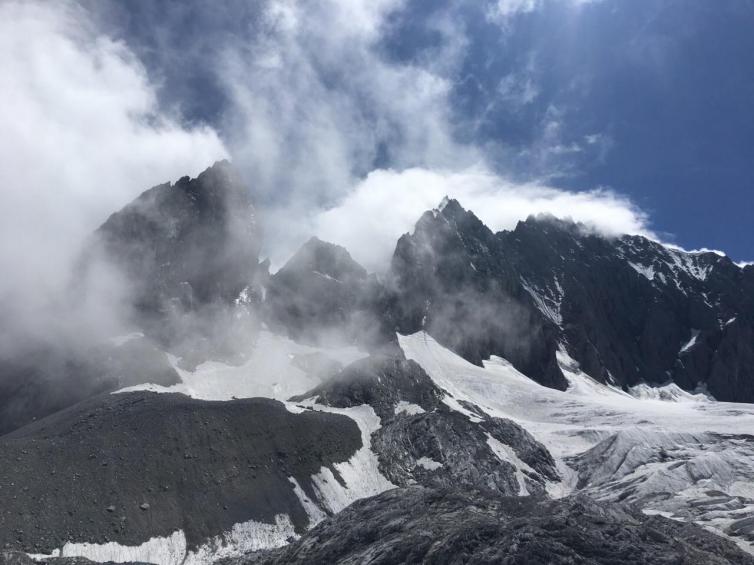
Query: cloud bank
(82,136)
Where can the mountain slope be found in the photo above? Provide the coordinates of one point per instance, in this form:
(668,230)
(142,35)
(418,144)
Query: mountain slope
(628,310)
(451,278)
(130,467)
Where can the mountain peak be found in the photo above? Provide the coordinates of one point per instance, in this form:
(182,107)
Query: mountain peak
(199,234)
(450,208)
(326,258)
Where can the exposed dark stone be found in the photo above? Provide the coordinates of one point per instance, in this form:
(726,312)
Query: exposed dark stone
(381,382)
(189,252)
(192,242)
(452,278)
(445,449)
(623,307)
(321,295)
(55,486)
(418,525)
(439,447)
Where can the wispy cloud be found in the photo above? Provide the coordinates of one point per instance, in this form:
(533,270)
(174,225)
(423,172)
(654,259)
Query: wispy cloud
(335,136)
(82,135)
(503,11)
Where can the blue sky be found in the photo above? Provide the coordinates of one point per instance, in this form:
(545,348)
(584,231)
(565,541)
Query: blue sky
(635,116)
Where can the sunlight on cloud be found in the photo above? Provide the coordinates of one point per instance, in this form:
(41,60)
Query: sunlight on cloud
(388,203)
(314,102)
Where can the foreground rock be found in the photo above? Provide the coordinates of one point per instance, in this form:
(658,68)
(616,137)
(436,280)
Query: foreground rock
(129,467)
(419,525)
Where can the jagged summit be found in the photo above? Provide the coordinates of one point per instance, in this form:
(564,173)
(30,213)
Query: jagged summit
(628,309)
(318,294)
(325,258)
(196,240)
(452,278)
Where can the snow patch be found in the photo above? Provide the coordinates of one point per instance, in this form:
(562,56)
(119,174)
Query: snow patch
(313,511)
(360,474)
(646,271)
(408,408)
(670,392)
(507,454)
(270,372)
(242,538)
(691,342)
(173,549)
(548,300)
(429,464)
(169,550)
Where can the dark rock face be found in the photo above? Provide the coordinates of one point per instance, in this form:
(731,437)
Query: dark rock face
(86,474)
(317,292)
(321,295)
(446,449)
(629,310)
(452,278)
(192,242)
(381,382)
(190,254)
(430,444)
(632,310)
(419,525)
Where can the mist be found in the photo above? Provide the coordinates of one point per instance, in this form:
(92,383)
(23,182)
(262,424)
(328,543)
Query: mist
(83,135)
(331,135)
(314,108)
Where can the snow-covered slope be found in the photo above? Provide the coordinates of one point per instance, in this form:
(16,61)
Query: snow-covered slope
(275,367)
(686,458)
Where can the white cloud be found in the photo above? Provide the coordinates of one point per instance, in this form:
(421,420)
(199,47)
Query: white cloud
(503,11)
(314,101)
(387,204)
(517,90)
(315,104)
(508,8)
(82,135)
